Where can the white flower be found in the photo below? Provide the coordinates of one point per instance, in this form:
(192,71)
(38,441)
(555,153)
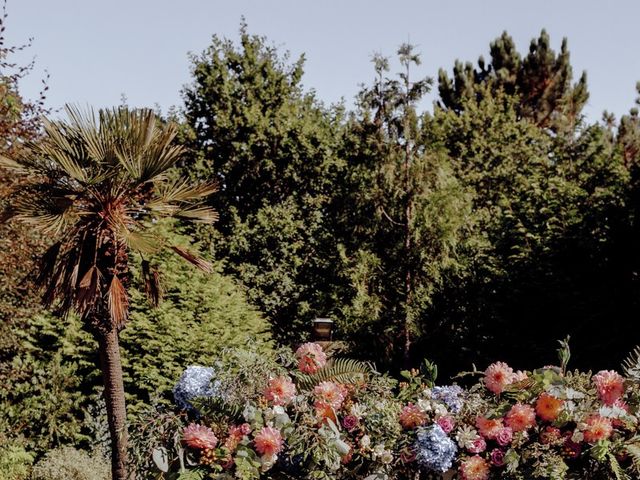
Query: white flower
(466,436)
(577,436)
(386,457)
(268,461)
(357,410)
(440,410)
(365,441)
(378,450)
(249,413)
(424,405)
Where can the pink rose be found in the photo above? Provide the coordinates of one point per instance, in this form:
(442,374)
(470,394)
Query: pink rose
(497,457)
(447,423)
(504,436)
(478,446)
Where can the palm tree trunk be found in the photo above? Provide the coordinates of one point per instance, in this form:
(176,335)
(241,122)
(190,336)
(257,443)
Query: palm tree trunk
(114,398)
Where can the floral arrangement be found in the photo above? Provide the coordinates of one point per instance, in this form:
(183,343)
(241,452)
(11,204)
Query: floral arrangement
(320,417)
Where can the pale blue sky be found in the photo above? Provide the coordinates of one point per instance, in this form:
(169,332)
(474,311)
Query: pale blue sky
(95,50)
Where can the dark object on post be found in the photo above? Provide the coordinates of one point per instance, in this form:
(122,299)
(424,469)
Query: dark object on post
(322,330)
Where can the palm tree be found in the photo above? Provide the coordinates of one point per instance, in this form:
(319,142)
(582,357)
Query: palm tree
(94,185)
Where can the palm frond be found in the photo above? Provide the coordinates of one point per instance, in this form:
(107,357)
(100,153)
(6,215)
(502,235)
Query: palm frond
(152,285)
(199,262)
(118,302)
(89,290)
(198,214)
(180,190)
(341,370)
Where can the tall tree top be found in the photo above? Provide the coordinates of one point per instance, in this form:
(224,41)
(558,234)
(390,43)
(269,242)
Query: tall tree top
(543,81)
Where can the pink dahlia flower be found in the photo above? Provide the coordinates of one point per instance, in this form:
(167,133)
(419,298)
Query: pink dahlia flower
(597,428)
(489,428)
(497,376)
(311,357)
(447,423)
(504,436)
(350,422)
(330,393)
(412,416)
(280,391)
(199,437)
(497,457)
(477,446)
(520,417)
(610,386)
(268,441)
(474,468)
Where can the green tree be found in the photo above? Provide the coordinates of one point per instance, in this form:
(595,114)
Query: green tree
(272,148)
(19,122)
(92,184)
(542,81)
(413,214)
(552,209)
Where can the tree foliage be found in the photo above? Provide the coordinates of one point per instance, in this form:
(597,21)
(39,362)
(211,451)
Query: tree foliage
(272,148)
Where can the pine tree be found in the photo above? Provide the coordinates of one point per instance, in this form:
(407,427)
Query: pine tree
(542,80)
(398,254)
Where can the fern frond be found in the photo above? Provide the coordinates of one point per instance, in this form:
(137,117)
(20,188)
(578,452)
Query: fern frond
(340,370)
(616,468)
(216,407)
(631,365)
(633,449)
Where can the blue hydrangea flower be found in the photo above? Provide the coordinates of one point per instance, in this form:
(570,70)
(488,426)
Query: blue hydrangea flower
(449,395)
(195,381)
(434,449)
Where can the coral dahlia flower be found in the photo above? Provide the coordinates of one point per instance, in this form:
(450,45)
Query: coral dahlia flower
(268,441)
(548,407)
(497,376)
(280,391)
(311,357)
(597,428)
(474,468)
(610,386)
(199,437)
(412,416)
(520,417)
(489,428)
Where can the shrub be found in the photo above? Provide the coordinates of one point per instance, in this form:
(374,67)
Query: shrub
(15,462)
(68,463)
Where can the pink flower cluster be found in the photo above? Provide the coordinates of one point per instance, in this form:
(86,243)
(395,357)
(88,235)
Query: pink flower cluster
(497,376)
(311,357)
(330,393)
